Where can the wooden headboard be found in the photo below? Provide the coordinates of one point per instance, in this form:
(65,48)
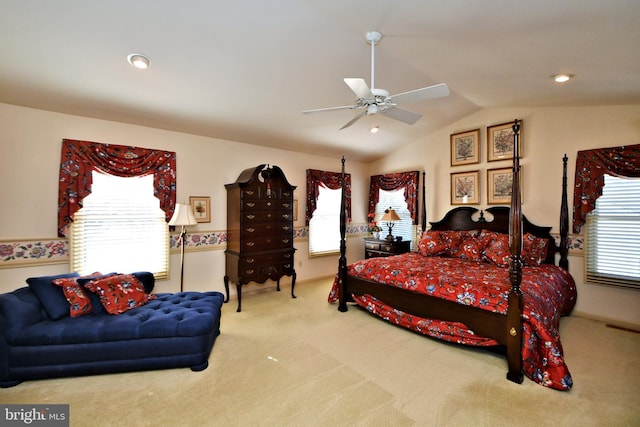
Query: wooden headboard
(496,219)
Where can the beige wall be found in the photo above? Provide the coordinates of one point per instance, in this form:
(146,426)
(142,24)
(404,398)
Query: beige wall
(548,133)
(30,142)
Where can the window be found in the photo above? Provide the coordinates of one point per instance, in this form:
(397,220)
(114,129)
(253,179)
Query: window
(324,225)
(613,234)
(394,199)
(322,214)
(400,192)
(120,228)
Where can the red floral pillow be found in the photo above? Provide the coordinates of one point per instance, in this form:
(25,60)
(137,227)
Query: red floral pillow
(497,250)
(119,293)
(472,249)
(79,303)
(432,244)
(456,241)
(534,250)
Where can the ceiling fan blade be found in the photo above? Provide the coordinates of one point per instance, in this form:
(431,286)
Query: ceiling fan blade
(430,92)
(320,110)
(402,115)
(359,87)
(355,119)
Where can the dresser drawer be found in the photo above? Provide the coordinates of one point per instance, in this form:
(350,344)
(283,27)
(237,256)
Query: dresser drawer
(266,216)
(372,245)
(267,243)
(269,205)
(263,267)
(260,229)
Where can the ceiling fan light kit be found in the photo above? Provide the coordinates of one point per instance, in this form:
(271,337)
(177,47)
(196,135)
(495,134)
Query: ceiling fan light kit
(372,100)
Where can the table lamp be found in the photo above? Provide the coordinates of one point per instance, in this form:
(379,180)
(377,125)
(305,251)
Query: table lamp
(390,215)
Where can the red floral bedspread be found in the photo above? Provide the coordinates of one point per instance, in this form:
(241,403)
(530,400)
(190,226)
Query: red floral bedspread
(549,292)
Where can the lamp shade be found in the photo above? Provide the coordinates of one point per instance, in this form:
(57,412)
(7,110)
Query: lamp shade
(183,215)
(390,215)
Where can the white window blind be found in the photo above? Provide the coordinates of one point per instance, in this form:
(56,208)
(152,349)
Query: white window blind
(395,199)
(120,228)
(324,225)
(613,234)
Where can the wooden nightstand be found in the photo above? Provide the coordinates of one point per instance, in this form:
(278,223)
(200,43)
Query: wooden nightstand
(376,247)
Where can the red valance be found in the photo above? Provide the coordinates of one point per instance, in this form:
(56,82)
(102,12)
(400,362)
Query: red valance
(79,158)
(393,181)
(591,167)
(331,180)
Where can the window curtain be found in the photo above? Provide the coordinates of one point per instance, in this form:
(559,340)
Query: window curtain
(591,167)
(331,180)
(393,181)
(79,158)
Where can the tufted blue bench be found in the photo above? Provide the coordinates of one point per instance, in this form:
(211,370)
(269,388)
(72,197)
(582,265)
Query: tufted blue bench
(174,330)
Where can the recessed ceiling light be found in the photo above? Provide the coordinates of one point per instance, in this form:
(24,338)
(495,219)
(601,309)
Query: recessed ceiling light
(561,78)
(374,129)
(139,60)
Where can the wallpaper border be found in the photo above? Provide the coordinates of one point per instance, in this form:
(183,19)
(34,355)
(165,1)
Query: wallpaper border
(32,252)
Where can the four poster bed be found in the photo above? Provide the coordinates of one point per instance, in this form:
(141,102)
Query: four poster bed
(482,278)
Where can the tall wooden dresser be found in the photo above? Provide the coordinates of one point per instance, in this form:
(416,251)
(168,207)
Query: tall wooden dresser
(259,229)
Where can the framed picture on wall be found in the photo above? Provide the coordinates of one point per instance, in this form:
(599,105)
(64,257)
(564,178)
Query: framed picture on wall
(499,182)
(201,206)
(465,148)
(465,188)
(500,142)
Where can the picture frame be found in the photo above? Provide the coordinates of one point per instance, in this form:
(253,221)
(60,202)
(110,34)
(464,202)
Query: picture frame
(500,142)
(201,206)
(499,186)
(465,188)
(295,209)
(465,148)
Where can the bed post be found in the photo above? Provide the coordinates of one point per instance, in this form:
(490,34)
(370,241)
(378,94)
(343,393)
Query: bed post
(564,220)
(424,202)
(342,261)
(516,302)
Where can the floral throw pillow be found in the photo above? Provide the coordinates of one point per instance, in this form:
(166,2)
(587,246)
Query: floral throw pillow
(432,244)
(472,249)
(119,293)
(79,302)
(534,250)
(456,240)
(497,250)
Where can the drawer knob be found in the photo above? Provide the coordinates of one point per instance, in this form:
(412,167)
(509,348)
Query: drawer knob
(251,204)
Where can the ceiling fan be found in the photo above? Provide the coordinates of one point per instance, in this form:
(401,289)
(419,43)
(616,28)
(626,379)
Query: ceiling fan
(375,100)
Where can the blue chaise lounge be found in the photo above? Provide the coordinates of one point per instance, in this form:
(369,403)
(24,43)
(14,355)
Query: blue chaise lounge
(39,339)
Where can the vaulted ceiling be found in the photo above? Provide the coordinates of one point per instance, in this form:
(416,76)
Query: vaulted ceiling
(245,70)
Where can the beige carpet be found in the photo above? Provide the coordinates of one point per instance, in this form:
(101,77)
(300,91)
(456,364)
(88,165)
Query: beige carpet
(300,362)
